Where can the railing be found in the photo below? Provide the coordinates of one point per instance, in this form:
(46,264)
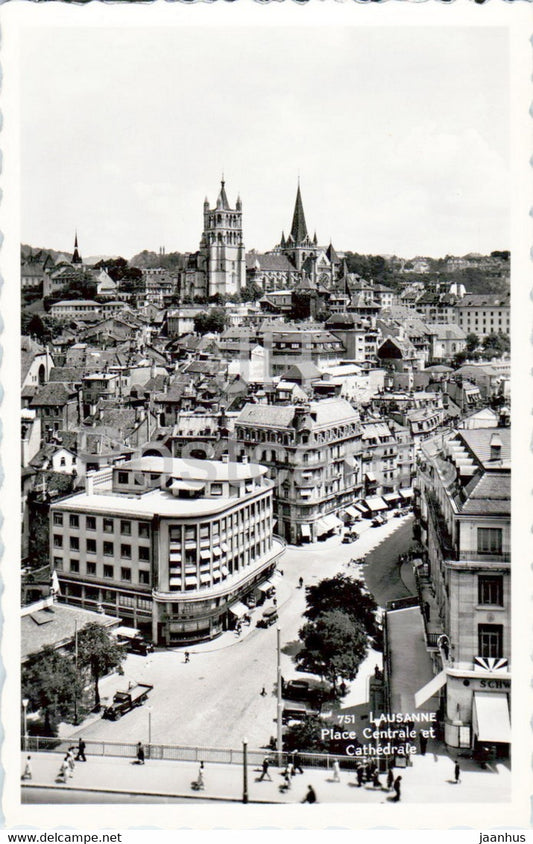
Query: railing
(186,753)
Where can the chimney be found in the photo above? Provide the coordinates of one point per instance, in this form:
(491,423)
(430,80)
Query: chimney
(244,458)
(89,485)
(495,447)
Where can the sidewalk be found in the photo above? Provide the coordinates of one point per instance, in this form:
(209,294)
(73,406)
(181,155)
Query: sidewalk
(429,780)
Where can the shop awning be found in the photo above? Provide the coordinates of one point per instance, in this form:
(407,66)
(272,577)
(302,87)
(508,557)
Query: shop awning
(305,530)
(406,493)
(490,717)
(276,575)
(375,503)
(370,477)
(126,632)
(390,496)
(361,507)
(435,684)
(352,512)
(239,609)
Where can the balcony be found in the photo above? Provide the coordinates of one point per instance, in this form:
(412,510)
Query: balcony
(433,626)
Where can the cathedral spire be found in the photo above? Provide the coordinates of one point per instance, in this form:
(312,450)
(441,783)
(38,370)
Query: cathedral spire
(298,228)
(76,257)
(222,201)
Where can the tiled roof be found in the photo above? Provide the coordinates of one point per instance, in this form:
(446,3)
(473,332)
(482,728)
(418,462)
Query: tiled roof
(488,494)
(478,442)
(52,394)
(306,369)
(66,374)
(273,261)
(480,300)
(447,331)
(56,626)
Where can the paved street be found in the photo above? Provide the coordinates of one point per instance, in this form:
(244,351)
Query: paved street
(215,699)
(428,780)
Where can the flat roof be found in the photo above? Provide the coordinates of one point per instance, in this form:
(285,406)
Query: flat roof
(193,469)
(156,502)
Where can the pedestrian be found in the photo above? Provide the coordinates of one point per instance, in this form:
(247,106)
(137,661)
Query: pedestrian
(71,761)
(81,751)
(310,796)
(336,771)
(187,656)
(397,790)
(63,771)
(297,763)
(264,770)
(390,778)
(376,782)
(263,692)
(27,772)
(300,582)
(286,778)
(199,784)
(140,753)
(457,772)
(360,775)
(423,744)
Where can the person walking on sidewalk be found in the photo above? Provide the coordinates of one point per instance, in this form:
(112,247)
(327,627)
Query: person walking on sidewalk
(27,772)
(264,770)
(360,776)
(140,753)
(297,763)
(198,784)
(81,751)
(187,656)
(310,796)
(457,772)
(336,771)
(71,761)
(390,778)
(397,790)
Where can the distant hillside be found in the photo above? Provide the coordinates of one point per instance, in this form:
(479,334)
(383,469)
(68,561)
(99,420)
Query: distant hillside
(58,257)
(147,260)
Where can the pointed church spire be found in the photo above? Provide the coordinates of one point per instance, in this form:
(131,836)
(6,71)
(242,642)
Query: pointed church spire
(298,228)
(282,241)
(222,201)
(76,257)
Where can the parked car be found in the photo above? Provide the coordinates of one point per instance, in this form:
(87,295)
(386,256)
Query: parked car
(350,536)
(379,520)
(297,690)
(296,712)
(123,701)
(268,618)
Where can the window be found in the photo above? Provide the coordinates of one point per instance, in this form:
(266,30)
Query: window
(123,477)
(108,572)
(125,552)
(90,522)
(58,540)
(490,640)
(108,526)
(144,577)
(490,590)
(144,553)
(125,574)
(58,518)
(125,527)
(58,562)
(91,568)
(90,545)
(489,540)
(74,543)
(144,529)
(75,565)
(216,489)
(109,549)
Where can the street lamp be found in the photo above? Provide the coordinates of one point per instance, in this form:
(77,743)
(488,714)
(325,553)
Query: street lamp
(25,703)
(245,770)
(279,742)
(149,709)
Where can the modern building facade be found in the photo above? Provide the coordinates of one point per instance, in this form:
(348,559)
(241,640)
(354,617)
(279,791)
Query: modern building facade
(168,545)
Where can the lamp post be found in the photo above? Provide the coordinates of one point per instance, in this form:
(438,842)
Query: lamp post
(279,742)
(149,710)
(25,703)
(245,770)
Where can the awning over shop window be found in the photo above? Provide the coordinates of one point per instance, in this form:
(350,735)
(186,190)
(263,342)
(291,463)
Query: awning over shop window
(490,717)
(430,689)
(305,530)
(361,507)
(352,512)
(370,477)
(239,609)
(406,493)
(375,503)
(391,497)
(327,523)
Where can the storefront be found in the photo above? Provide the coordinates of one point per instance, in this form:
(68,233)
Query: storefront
(327,524)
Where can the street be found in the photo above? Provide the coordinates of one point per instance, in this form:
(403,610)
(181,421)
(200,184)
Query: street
(215,700)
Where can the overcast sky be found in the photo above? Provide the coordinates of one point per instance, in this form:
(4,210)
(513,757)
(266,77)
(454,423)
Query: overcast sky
(400,136)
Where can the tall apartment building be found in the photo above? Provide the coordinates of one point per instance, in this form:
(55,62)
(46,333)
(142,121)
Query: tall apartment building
(464,583)
(169,545)
(312,450)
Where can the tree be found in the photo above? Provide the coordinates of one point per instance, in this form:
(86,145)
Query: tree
(52,685)
(251,292)
(213,320)
(305,736)
(345,594)
(334,646)
(472,342)
(495,345)
(98,653)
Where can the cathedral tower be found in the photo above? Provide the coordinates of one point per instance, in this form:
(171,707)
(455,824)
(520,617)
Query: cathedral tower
(222,247)
(298,245)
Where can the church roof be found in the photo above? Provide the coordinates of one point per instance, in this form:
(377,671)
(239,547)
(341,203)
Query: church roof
(332,255)
(298,228)
(222,201)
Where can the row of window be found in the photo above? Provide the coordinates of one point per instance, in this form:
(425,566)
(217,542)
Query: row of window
(108,571)
(108,524)
(108,548)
